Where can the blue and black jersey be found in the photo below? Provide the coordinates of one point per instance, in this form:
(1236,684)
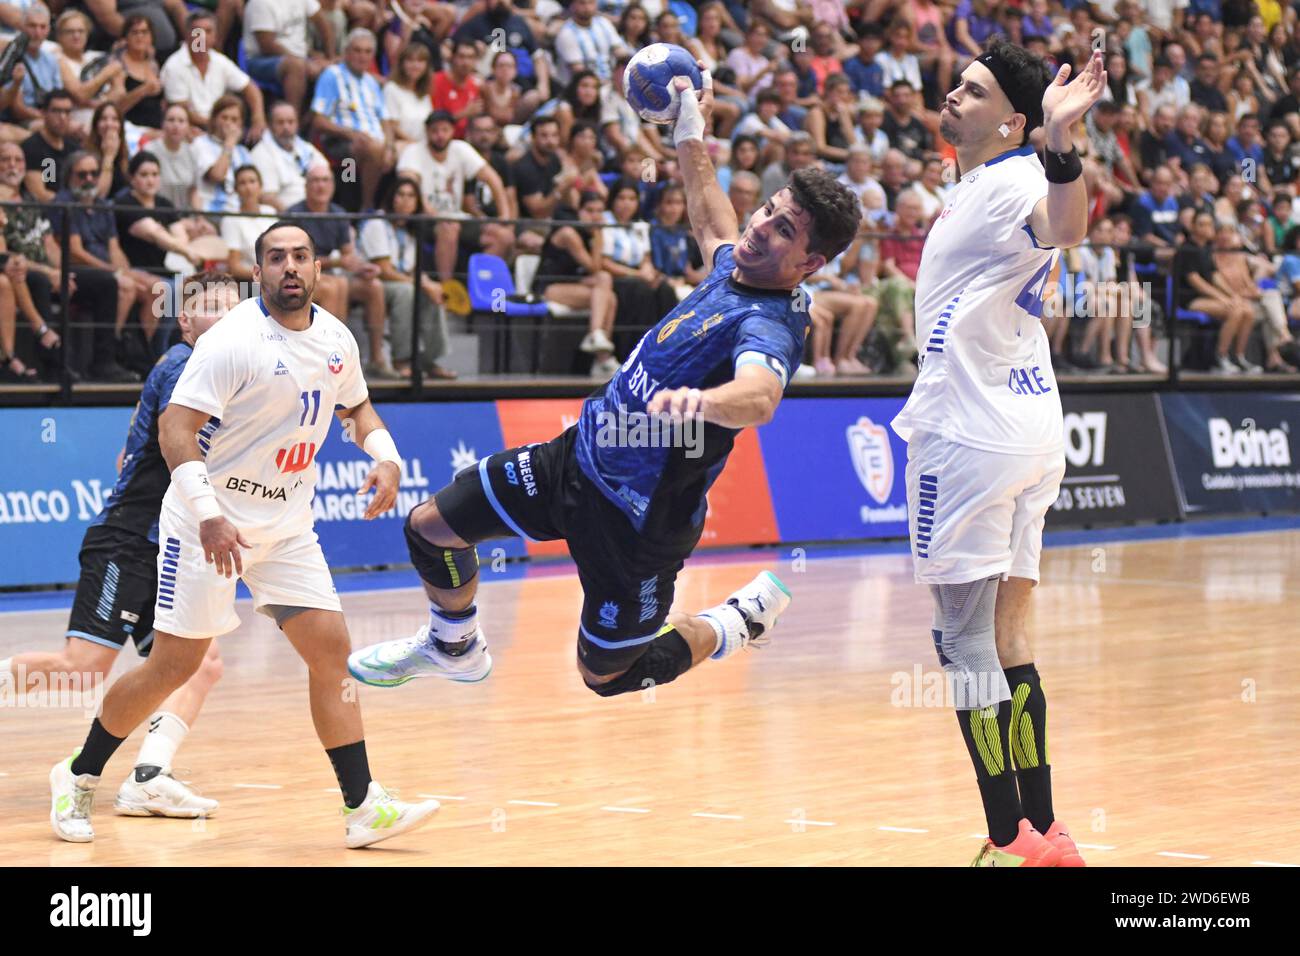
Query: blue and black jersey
(720,326)
(137,497)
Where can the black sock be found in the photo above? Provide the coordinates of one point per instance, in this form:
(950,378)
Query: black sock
(1029,744)
(353,772)
(99,746)
(986,740)
(455,648)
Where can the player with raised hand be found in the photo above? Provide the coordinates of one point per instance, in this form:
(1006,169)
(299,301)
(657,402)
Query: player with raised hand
(984,426)
(240,435)
(632,512)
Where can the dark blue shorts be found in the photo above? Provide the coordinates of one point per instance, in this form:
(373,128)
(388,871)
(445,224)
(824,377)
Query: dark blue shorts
(539,492)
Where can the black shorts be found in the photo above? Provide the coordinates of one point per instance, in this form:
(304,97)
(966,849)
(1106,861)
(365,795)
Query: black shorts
(116,590)
(539,492)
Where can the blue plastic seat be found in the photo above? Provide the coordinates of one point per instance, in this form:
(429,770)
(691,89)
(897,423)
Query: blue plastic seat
(491,284)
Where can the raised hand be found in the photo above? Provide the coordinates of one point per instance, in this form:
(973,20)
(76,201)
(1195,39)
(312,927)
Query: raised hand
(1064,103)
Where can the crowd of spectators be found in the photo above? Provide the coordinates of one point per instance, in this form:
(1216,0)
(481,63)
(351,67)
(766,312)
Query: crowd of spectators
(507,121)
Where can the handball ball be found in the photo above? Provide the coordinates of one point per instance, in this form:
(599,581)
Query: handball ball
(648,81)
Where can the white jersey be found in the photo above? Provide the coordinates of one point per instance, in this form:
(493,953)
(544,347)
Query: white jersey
(986,376)
(271,393)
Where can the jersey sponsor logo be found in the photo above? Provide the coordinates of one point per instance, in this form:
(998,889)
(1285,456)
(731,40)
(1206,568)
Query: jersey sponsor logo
(336,362)
(609,615)
(707,324)
(255,488)
(642,385)
(638,502)
(526,473)
(281,368)
(296,457)
(671,326)
(873,459)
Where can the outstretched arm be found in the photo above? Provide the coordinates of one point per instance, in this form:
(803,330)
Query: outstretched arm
(713,220)
(1061,219)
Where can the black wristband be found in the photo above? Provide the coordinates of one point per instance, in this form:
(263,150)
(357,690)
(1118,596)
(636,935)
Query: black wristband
(1063,167)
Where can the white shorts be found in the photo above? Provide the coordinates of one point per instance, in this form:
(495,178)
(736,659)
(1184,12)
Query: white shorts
(973,514)
(195,601)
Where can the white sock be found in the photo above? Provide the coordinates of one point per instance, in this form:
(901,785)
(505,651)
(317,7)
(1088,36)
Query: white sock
(166,731)
(729,624)
(452,630)
(6,677)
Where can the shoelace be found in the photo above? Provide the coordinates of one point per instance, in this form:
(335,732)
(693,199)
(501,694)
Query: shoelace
(185,772)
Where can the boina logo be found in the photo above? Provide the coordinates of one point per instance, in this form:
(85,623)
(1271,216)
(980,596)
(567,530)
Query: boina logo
(1250,446)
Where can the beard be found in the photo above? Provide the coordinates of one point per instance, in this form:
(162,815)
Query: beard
(294,300)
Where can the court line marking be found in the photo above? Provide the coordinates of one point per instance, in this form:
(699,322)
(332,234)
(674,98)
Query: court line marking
(258,786)
(1267,863)
(719,816)
(626,809)
(438,796)
(1183,856)
(533,803)
(812,823)
(902,830)
(332,790)
(1097,846)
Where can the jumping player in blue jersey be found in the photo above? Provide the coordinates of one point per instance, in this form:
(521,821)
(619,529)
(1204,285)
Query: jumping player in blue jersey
(114,602)
(631,509)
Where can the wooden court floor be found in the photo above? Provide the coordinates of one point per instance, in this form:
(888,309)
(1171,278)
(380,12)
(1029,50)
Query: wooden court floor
(1170,666)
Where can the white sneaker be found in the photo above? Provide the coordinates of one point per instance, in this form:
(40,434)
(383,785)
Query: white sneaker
(596,341)
(804,372)
(161,796)
(1224,366)
(72,798)
(761,601)
(381,817)
(604,369)
(392,663)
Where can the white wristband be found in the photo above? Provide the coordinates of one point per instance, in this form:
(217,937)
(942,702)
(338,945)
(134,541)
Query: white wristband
(690,121)
(380,446)
(191,480)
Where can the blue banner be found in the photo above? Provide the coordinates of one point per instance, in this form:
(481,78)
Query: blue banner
(1232,451)
(436,440)
(58,467)
(836,469)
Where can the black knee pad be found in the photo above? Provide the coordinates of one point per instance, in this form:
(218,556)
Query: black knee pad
(665,660)
(443,568)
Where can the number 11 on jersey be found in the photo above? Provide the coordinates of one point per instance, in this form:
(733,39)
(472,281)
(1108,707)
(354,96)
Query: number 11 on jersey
(310,403)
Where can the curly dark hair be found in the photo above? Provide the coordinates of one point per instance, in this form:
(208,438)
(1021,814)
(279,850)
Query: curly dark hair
(835,210)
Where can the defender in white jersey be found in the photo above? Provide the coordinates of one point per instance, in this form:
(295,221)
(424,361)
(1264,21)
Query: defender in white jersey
(983,423)
(240,434)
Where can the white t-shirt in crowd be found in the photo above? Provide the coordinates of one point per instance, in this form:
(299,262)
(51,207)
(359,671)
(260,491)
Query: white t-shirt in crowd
(380,239)
(182,82)
(752,125)
(240,233)
(273,391)
(287,19)
(869,187)
(986,376)
(408,109)
(178,171)
(442,182)
(217,197)
(284,172)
